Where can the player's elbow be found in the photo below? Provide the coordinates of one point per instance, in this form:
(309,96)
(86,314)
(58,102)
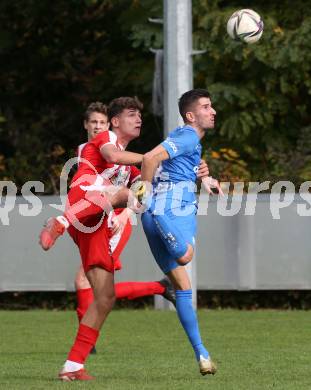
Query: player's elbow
(111,157)
(149,159)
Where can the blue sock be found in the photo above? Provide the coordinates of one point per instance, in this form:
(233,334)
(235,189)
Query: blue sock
(172,237)
(188,319)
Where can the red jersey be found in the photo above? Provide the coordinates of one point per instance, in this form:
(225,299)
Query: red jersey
(92,164)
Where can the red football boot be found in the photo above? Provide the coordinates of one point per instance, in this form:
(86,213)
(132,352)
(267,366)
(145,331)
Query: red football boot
(80,375)
(50,232)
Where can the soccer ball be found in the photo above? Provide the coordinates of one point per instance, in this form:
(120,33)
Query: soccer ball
(245,25)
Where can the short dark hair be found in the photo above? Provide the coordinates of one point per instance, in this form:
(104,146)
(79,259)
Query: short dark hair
(188,98)
(116,106)
(95,107)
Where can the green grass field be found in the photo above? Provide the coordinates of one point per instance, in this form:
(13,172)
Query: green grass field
(146,349)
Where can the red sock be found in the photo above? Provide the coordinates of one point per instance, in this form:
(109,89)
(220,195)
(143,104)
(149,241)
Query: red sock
(84,298)
(132,290)
(85,341)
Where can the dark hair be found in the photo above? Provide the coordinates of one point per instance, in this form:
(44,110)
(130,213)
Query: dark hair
(188,98)
(116,106)
(95,107)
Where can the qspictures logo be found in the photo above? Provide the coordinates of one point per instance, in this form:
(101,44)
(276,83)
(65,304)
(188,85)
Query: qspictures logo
(237,198)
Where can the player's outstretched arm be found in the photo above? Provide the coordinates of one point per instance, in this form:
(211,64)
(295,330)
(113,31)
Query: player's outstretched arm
(151,161)
(115,156)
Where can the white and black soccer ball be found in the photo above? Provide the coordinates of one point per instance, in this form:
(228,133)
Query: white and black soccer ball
(245,25)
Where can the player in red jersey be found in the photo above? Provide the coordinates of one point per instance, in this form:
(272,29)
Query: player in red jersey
(103,154)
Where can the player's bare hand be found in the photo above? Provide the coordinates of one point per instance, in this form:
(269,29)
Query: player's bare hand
(203,170)
(210,183)
(118,222)
(115,225)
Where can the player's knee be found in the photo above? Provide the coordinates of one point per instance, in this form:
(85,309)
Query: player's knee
(81,281)
(184,260)
(105,303)
(187,257)
(120,198)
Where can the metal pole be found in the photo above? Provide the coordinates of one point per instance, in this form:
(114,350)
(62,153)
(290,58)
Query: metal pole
(178,78)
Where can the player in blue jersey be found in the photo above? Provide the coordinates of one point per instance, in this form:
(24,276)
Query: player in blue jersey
(170,219)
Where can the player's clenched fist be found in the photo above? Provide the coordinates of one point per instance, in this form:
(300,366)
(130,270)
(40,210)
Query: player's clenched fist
(141,191)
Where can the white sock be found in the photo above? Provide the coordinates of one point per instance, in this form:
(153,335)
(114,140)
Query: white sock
(71,366)
(63,221)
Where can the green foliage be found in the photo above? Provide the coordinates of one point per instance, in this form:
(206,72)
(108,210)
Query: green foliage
(261,91)
(227,165)
(55,60)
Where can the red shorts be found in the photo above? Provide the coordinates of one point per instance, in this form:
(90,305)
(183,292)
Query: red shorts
(100,248)
(83,204)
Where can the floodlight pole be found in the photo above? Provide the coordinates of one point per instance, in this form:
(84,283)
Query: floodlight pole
(178,78)
(178,75)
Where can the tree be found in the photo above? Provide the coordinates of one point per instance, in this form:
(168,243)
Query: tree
(55,60)
(261,91)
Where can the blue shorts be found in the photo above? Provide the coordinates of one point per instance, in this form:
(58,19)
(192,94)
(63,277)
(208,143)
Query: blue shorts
(186,225)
